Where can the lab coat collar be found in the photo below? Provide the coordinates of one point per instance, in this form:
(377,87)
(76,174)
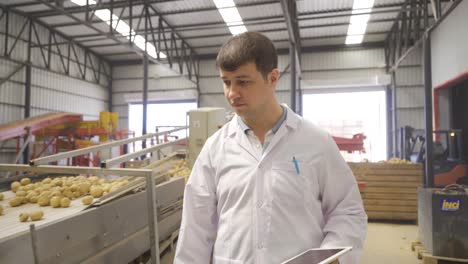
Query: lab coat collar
(292,121)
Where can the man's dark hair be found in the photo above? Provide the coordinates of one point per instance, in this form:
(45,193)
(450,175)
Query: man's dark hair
(248,47)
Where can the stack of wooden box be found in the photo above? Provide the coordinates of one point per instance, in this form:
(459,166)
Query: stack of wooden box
(389,191)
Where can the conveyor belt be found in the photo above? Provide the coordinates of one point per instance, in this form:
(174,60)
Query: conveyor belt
(18,128)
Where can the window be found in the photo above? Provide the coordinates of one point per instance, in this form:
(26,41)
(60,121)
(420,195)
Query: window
(166,115)
(346,114)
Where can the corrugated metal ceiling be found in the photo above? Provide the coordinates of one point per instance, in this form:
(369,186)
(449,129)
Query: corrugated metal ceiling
(198,22)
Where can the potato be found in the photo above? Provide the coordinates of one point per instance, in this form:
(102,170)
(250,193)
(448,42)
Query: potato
(43,200)
(15,201)
(55,202)
(76,194)
(24,200)
(64,202)
(68,194)
(47,180)
(25,181)
(24,217)
(56,193)
(87,200)
(20,193)
(96,192)
(84,187)
(57,182)
(33,199)
(1,209)
(15,185)
(37,215)
(1,196)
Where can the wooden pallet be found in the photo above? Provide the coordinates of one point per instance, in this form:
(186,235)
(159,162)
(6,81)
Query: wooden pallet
(427,258)
(390,191)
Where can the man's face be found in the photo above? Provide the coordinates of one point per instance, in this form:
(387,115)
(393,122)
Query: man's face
(247,91)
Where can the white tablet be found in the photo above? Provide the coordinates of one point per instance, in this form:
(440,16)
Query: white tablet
(318,256)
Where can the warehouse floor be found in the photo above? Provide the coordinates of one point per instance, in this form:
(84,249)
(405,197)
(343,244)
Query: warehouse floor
(388,243)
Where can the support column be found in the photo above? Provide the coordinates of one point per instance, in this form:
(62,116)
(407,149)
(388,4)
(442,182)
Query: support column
(145,95)
(429,179)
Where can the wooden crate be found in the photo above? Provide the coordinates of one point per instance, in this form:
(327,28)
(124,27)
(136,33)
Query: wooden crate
(389,191)
(427,258)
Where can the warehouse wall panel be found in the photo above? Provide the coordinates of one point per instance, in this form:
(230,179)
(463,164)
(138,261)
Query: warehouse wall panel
(449,51)
(409,90)
(163,84)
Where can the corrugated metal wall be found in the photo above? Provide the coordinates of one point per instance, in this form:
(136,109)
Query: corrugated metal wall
(409,95)
(163,84)
(51,89)
(326,65)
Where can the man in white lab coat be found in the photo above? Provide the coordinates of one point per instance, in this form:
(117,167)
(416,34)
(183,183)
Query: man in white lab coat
(268,185)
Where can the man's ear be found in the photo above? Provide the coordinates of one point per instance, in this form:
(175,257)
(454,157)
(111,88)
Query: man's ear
(274,76)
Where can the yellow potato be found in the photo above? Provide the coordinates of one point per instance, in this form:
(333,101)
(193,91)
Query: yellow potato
(87,200)
(47,180)
(55,202)
(96,192)
(1,196)
(25,181)
(1,209)
(15,185)
(20,193)
(33,199)
(43,201)
(15,201)
(84,187)
(76,194)
(74,187)
(23,217)
(37,215)
(64,202)
(68,194)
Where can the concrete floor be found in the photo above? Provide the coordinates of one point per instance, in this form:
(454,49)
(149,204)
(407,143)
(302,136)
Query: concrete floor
(386,243)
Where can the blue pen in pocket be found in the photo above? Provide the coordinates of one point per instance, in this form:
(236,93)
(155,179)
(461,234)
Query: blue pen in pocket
(296,164)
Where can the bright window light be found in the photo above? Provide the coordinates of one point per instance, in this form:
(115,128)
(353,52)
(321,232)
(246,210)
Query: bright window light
(354,39)
(123,28)
(224,3)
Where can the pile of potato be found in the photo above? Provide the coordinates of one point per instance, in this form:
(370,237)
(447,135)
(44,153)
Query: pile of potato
(60,191)
(396,161)
(180,169)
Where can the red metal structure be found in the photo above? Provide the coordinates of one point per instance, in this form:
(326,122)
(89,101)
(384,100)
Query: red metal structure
(356,143)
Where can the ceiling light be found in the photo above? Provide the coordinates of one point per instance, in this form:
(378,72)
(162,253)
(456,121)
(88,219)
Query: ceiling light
(224,3)
(359,19)
(357,29)
(83,2)
(360,4)
(354,39)
(235,30)
(230,14)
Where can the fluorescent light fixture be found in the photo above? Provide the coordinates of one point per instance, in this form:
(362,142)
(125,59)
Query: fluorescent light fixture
(237,29)
(358,21)
(356,29)
(228,11)
(230,15)
(360,4)
(224,3)
(123,28)
(354,39)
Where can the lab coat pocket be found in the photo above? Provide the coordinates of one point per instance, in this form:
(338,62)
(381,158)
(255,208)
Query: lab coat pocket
(221,260)
(288,184)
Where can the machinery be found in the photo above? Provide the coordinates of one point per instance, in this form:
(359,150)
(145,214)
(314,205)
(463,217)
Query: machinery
(356,143)
(117,228)
(443,218)
(203,122)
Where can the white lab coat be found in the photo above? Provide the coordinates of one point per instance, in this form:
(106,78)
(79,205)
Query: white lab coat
(263,211)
